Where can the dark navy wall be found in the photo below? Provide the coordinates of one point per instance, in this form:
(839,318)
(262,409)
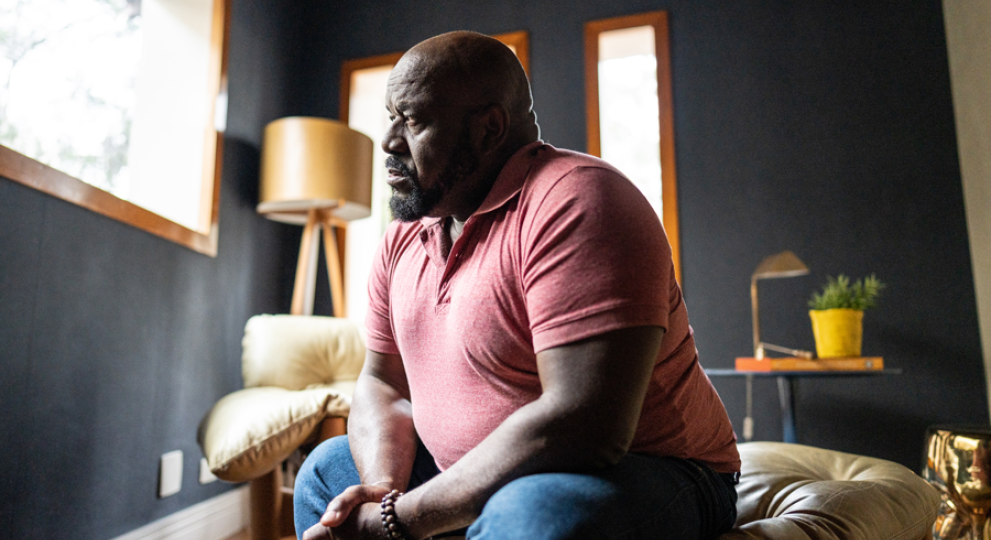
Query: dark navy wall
(821,127)
(825,128)
(114,343)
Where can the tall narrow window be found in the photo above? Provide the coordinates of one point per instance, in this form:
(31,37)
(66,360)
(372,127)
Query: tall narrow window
(630,120)
(363,83)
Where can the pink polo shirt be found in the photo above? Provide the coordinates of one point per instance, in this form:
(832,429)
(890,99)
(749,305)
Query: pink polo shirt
(563,248)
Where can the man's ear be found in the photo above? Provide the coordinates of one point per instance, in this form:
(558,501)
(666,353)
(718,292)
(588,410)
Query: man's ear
(491,128)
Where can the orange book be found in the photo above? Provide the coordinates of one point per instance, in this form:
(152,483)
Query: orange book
(859,363)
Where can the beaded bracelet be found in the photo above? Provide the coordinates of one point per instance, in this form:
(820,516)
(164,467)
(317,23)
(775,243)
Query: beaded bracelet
(389,520)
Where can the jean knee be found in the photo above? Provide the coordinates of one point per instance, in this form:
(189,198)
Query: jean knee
(548,506)
(327,471)
(332,450)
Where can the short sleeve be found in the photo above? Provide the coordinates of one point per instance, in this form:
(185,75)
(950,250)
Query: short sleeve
(594,259)
(378,322)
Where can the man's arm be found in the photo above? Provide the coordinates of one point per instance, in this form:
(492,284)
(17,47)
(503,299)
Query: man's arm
(380,433)
(586,417)
(382,437)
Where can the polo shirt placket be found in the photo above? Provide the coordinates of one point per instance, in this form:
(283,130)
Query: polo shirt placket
(437,244)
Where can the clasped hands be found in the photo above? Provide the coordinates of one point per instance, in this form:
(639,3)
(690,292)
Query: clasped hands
(354,514)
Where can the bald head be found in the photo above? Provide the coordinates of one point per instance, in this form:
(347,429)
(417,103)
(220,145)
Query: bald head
(459,107)
(481,70)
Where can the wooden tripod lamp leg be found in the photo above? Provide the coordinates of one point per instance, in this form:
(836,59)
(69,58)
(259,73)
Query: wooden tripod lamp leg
(306,267)
(334,271)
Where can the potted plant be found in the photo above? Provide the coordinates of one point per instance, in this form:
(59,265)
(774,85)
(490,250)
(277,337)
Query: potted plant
(838,314)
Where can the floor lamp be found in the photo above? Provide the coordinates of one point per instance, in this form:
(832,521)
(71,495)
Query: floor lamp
(317,173)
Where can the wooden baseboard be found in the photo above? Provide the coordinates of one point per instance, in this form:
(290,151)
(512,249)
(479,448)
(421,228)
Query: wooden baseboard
(213,519)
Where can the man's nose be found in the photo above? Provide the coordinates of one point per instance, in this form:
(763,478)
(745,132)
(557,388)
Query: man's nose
(392,142)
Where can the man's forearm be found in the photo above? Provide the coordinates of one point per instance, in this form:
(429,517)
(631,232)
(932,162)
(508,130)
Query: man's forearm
(381,434)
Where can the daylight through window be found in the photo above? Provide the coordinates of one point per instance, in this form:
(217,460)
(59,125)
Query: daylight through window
(116,93)
(629,108)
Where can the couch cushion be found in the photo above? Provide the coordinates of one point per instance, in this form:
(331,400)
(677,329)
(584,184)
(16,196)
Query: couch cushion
(296,351)
(795,492)
(249,432)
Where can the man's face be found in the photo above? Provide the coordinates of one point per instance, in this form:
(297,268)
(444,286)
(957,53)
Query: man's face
(428,142)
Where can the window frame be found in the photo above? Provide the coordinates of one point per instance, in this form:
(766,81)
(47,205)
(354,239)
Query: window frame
(665,105)
(29,172)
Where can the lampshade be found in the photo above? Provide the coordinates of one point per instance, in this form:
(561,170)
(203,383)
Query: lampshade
(314,163)
(784,264)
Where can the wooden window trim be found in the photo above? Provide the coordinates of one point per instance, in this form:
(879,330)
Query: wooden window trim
(348,67)
(34,174)
(519,40)
(662,51)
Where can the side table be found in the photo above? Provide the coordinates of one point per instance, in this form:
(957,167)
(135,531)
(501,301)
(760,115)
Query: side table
(788,387)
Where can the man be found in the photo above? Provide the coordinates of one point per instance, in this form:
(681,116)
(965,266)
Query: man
(530,370)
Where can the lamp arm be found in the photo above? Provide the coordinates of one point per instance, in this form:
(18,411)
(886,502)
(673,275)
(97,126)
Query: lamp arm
(794,352)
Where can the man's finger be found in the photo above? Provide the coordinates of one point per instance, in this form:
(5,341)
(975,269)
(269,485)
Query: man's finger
(340,508)
(318,532)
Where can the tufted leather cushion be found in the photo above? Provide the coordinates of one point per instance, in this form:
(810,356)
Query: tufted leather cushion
(795,492)
(297,371)
(247,433)
(295,351)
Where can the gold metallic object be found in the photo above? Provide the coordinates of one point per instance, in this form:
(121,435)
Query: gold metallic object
(784,264)
(318,173)
(781,265)
(958,465)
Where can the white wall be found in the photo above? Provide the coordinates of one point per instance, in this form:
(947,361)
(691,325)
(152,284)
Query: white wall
(968,40)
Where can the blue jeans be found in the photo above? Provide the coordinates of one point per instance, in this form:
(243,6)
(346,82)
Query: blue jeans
(641,497)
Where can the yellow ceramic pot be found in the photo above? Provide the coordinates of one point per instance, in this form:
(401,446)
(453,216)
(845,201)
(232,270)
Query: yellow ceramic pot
(838,332)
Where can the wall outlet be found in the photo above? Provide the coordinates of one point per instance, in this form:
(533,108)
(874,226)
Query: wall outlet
(206,476)
(170,474)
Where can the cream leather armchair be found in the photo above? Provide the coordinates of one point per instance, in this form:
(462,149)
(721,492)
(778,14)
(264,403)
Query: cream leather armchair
(299,373)
(795,492)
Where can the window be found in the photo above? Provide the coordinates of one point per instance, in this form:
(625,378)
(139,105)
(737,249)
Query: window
(629,108)
(363,85)
(118,106)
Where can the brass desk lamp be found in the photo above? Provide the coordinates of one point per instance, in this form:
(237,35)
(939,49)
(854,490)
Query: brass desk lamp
(781,265)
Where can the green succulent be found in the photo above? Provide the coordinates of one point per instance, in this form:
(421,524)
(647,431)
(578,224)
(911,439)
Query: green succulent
(839,293)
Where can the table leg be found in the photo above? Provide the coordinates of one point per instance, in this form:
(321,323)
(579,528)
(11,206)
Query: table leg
(786,393)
